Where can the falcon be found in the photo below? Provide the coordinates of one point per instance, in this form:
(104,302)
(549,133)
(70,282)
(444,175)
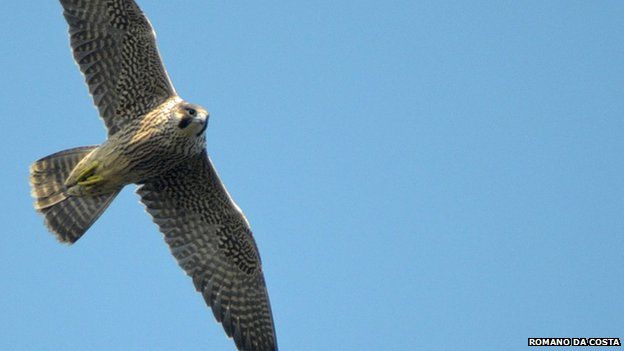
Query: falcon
(157,141)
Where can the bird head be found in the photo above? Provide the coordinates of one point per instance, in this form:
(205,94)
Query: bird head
(191,120)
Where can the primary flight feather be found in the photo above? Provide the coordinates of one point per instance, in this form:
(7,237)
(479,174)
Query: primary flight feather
(155,140)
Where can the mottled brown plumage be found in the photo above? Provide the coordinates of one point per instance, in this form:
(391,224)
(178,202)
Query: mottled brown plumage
(115,48)
(156,140)
(211,239)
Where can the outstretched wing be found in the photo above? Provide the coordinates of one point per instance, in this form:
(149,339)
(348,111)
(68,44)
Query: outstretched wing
(115,48)
(211,239)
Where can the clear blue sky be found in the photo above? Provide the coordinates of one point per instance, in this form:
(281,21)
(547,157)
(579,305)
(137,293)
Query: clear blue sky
(418,176)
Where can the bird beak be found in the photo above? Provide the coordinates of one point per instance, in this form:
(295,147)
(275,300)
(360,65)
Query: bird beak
(203,119)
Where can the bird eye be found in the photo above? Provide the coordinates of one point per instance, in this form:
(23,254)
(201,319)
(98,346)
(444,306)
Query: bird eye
(191,111)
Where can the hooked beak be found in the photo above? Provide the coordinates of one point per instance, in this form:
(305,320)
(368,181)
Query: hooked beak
(203,119)
(203,127)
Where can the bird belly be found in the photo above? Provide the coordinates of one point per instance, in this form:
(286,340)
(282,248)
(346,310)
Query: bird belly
(100,172)
(130,157)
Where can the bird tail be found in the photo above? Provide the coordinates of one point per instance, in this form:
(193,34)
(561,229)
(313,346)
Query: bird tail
(67,216)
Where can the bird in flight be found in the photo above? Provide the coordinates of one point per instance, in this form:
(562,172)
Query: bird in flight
(157,141)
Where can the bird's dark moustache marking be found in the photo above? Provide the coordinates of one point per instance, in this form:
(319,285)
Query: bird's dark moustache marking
(184,122)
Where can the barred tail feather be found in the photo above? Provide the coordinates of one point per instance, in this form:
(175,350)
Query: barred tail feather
(68,217)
